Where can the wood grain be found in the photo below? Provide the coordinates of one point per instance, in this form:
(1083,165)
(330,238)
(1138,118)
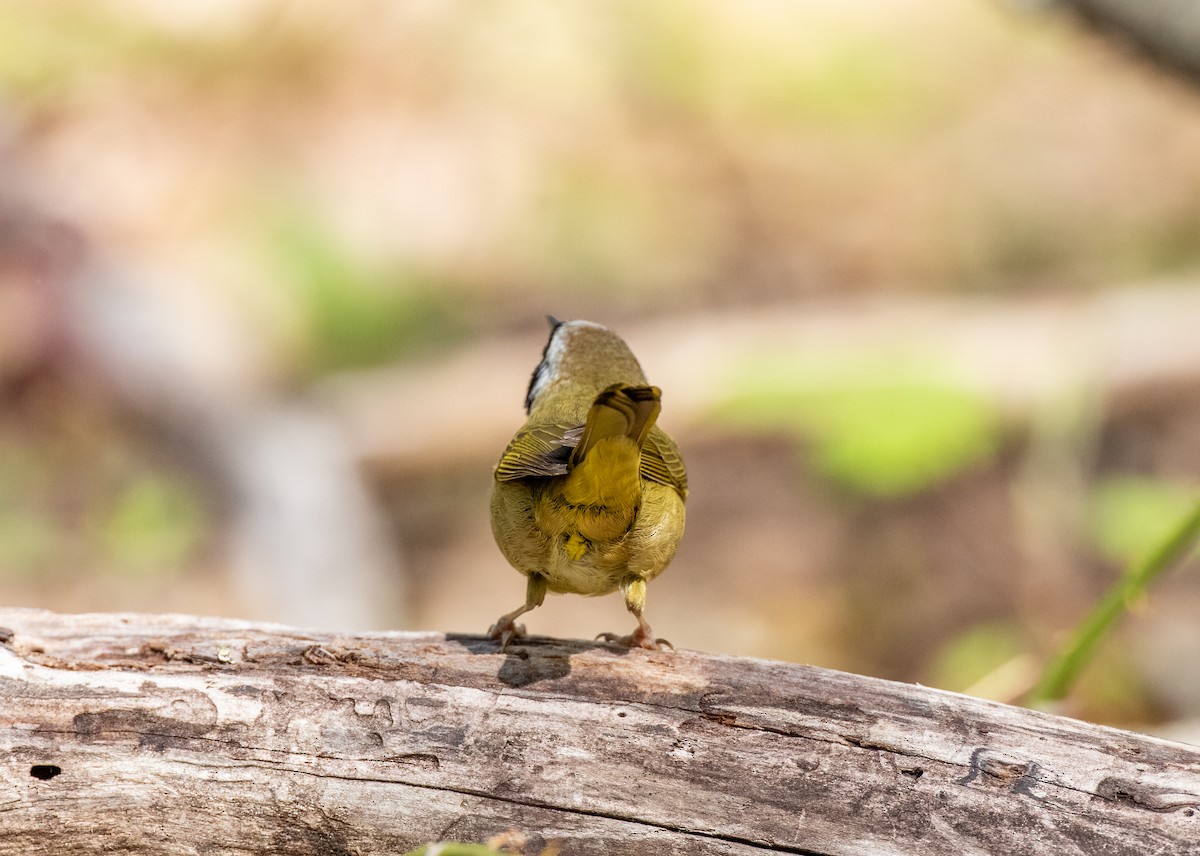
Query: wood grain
(175,734)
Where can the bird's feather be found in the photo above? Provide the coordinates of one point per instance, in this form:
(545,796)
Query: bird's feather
(540,451)
(662,463)
(544,451)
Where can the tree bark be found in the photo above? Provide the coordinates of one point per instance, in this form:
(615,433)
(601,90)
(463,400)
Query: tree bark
(174,734)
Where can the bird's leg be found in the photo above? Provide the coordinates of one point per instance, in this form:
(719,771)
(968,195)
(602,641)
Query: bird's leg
(634,589)
(506,629)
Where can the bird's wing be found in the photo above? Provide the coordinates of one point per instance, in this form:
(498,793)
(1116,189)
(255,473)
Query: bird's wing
(662,463)
(542,451)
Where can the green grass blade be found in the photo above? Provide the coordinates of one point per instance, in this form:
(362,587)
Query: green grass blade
(1066,666)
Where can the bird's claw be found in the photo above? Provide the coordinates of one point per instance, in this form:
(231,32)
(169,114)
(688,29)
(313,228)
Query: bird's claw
(505,632)
(637,640)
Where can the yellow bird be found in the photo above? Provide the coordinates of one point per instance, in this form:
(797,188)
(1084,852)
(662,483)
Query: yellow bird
(589,495)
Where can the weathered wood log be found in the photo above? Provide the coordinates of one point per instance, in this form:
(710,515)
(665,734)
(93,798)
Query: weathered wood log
(172,734)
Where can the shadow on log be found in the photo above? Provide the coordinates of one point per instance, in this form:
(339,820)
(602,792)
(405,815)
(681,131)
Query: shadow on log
(174,734)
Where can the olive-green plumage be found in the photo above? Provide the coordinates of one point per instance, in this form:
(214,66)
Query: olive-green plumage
(589,495)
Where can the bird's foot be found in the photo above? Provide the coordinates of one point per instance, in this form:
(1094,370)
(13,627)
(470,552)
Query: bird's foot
(506,630)
(638,639)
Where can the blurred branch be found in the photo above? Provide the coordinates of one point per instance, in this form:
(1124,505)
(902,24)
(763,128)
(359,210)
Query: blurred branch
(1167,31)
(304,539)
(1067,665)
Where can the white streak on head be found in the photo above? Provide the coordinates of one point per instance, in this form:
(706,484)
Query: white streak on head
(547,369)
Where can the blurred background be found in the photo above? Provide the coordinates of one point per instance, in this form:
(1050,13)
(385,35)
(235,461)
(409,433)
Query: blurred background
(920,280)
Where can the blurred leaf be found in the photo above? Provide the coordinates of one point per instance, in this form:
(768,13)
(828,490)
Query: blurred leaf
(28,530)
(1167,244)
(881,430)
(27,539)
(898,440)
(354,315)
(449,848)
(152,526)
(41,49)
(857,81)
(1128,516)
(975,653)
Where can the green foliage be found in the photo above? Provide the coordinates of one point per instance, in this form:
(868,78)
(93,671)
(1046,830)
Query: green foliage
(895,440)
(27,537)
(27,530)
(40,51)
(352,314)
(975,653)
(152,523)
(1128,516)
(1066,666)
(62,506)
(884,429)
(1167,245)
(449,848)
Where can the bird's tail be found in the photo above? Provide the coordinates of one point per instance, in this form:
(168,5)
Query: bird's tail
(605,469)
(621,410)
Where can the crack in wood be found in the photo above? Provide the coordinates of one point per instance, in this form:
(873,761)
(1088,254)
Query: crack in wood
(1024,775)
(767,846)
(265,764)
(1125,791)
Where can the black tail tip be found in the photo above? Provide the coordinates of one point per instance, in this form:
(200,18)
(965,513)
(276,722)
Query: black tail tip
(553,322)
(643,393)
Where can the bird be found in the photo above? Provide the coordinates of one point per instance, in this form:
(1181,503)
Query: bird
(589,495)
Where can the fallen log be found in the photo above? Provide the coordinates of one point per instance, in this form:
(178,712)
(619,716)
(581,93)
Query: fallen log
(183,735)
